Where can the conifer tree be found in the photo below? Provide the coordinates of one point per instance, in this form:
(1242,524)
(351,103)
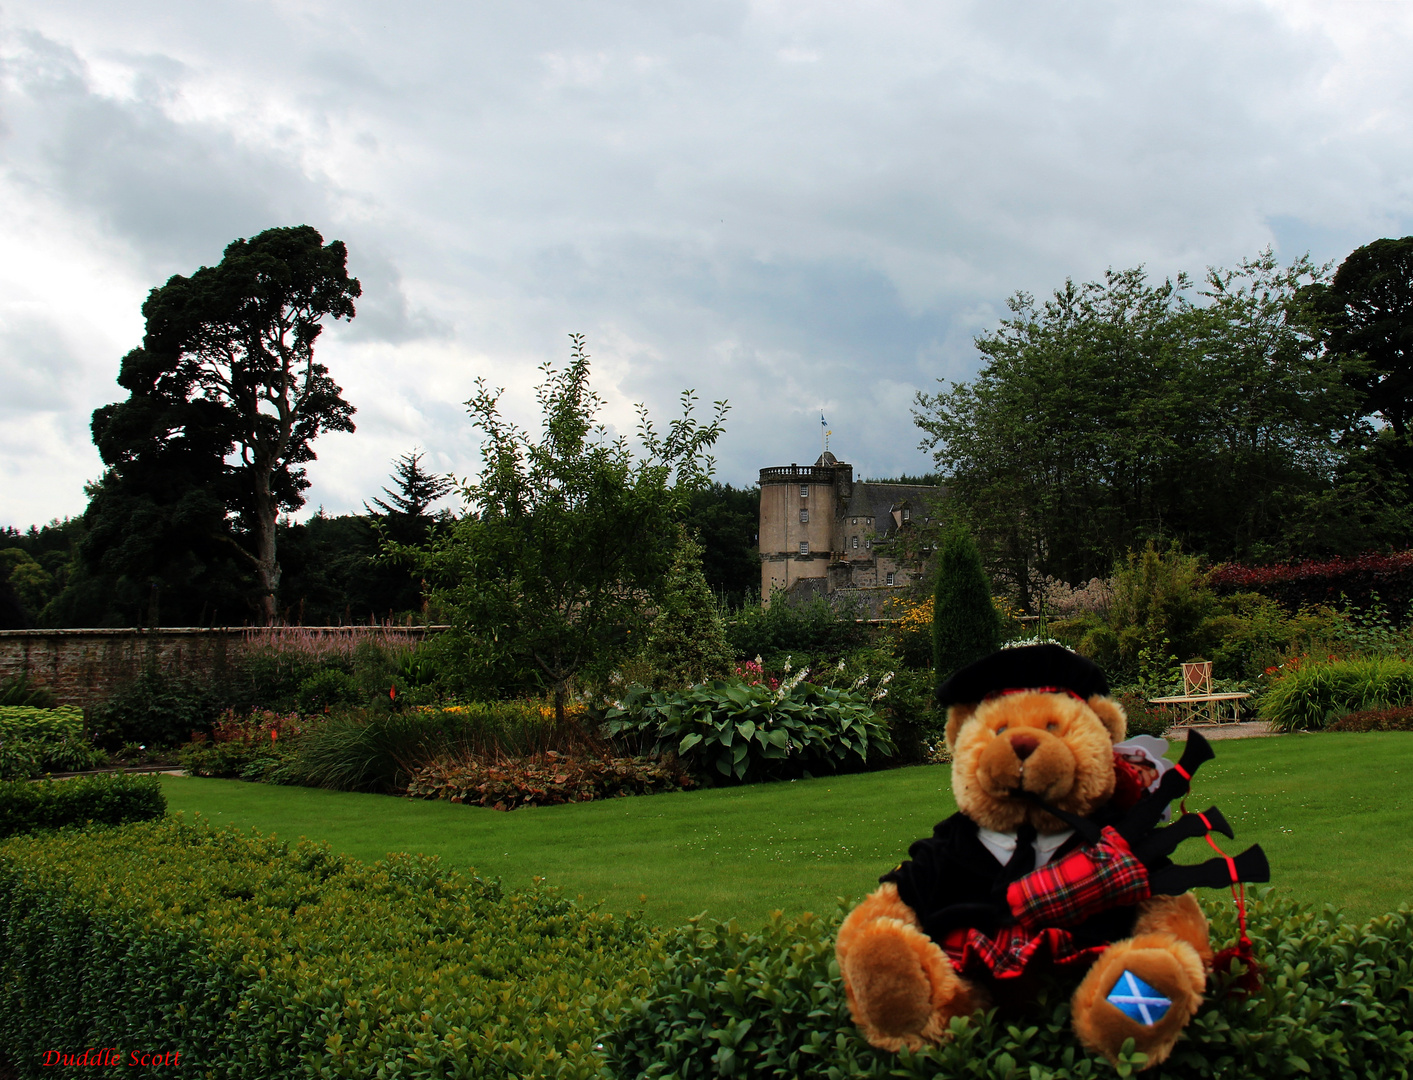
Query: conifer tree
(687,643)
(965,626)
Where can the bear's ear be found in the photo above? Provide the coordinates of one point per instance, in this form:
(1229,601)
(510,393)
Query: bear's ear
(1112,714)
(957,715)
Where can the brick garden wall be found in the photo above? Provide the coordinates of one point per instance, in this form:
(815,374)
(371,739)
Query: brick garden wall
(83,667)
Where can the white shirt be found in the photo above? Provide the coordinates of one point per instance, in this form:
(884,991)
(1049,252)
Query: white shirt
(1002,845)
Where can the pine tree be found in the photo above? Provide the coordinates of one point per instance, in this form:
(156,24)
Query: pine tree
(687,643)
(965,626)
(416,490)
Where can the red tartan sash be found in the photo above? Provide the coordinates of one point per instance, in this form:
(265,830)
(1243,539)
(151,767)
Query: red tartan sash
(1090,879)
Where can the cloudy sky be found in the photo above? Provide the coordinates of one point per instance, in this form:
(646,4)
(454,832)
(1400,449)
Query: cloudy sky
(802,207)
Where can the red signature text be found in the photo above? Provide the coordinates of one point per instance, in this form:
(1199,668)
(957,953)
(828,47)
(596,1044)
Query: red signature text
(104,1056)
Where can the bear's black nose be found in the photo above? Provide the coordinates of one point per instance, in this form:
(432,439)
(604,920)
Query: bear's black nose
(1024,745)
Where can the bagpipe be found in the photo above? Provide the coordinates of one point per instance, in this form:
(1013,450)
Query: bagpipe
(1152,845)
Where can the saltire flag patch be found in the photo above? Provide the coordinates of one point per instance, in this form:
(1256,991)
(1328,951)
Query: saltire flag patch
(1136,999)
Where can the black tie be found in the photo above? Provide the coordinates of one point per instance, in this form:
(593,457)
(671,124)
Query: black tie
(1023,861)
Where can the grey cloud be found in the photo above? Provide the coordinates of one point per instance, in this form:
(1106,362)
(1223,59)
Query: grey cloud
(793,206)
(384,312)
(38,366)
(176,192)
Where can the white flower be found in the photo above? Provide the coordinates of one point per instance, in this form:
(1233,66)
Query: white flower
(860,681)
(841,666)
(787,664)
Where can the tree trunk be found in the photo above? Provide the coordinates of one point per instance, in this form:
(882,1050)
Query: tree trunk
(559,695)
(267,568)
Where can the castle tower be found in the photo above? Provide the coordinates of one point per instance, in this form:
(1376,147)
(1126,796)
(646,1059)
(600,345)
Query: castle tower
(801,508)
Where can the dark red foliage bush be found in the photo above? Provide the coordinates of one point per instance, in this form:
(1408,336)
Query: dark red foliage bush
(547,780)
(1294,585)
(1399,719)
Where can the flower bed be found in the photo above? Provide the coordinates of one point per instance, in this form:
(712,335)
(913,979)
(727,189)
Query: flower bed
(546,780)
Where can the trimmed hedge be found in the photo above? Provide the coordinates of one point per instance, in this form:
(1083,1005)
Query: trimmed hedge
(1307,698)
(110,799)
(255,958)
(1337,1001)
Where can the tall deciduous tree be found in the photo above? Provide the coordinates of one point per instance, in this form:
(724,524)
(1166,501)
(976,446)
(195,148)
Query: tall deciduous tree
(227,374)
(1366,313)
(1122,410)
(570,534)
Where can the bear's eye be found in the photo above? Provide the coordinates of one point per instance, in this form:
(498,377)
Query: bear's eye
(1002,728)
(1052,726)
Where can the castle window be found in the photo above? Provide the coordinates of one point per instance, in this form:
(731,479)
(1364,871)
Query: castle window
(804,516)
(907,514)
(853,521)
(890,579)
(868,544)
(856,543)
(804,491)
(804,547)
(869,523)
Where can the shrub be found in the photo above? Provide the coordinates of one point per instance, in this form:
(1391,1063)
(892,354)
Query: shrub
(1252,632)
(965,623)
(912,632)
(744,730)
(156,709)
(782,628)
(328,689)
(1146,719)
(256,958)
(1400,719)
(106,800)
(1309,696)
(258,746)
(29,722)
(687,641)
(1336,1002)
(35,740)
(547,780)
(1156,617)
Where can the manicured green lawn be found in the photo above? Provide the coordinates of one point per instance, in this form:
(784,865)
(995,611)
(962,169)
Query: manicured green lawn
(1334,813)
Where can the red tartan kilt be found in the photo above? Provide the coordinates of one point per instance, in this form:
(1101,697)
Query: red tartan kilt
(1013,949)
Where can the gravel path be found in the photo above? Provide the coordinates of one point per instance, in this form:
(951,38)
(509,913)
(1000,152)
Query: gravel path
(1246,729)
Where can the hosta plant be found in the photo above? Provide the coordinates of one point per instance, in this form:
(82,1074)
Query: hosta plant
(749,731)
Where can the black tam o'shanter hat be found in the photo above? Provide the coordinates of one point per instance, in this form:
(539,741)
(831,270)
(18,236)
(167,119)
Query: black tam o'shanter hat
(1032,667)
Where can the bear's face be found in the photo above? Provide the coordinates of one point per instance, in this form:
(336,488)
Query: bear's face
(1053,745)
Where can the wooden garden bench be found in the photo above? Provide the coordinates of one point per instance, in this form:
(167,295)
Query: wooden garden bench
(1197,703)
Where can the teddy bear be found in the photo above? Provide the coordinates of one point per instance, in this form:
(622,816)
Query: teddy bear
(1054,862)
